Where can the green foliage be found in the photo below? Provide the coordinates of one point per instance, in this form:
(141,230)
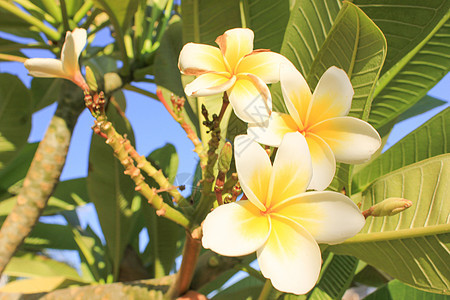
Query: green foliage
(395,290)
(15,117)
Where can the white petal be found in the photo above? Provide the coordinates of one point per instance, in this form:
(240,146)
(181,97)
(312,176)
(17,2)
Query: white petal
(251,99)
(196,59)
(352,140)
(45,67)
(296,93)
(235,229)
(290,258)
(69,56)
(80,39)
(264,64)
(330,217)
(235,44)
(253,167)
(323,162)
(209,84)
(332,96)
(272,132)
(291,171)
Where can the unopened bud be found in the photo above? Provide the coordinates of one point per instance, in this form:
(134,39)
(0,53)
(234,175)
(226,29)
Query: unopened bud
(90,78)
(390,207)
(225,158)
(112,82)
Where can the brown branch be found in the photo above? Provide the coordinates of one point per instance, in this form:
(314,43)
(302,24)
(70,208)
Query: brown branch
(43,174)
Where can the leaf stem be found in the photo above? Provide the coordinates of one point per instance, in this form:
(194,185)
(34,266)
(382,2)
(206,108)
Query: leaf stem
(51,33)
(65,17)
(82,12)
(266,290)
(30,6)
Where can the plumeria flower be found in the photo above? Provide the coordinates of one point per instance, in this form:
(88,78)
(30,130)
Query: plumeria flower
(279,221)
(68,66)
(322,118)
(236,68)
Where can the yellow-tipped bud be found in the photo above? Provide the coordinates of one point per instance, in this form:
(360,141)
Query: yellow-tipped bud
(91,81)
(225,158)
(390,207)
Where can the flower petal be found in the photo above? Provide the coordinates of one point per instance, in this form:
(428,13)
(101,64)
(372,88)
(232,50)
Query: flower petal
(352,140)
(45,67)
(264,64)
(290,258)
(250,98)
(332,96)
(235,229)
(272,132)
(235,44)
(296,93)
(291,171)
(80,38)
(323,162)
(69,55)
(253,167)
(209,84)
(196,59)
(330,217)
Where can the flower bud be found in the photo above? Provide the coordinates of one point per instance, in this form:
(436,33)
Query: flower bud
(390,207)
(90,78)
(225,158)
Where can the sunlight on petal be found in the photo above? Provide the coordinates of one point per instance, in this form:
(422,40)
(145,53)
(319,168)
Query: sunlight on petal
(352,140)
(330,217)
(264,64)
(253,167)
(292,169)
(296,93)
(209,84)
(323,163)
(272,132)
(290,258)
(251,99)
(332,96)
(45,67)
(196,59)
(235,229)
(69,56)
(235,44)
(80,38)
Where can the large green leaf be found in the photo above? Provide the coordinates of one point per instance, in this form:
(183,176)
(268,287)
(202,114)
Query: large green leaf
(12,24)
(428,140)
(52,236)
(33,265)
(404,23)
(425,104)
(413,245)
(15,117)
(413,76)
(11,48)
(121,11)
(163,234)
(308,27)
(356,45)
(45,91)
(247,288)
(39,285)
(111,190)
(395,290)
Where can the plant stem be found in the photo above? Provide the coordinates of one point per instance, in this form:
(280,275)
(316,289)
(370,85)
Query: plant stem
(30,6)
(191,252)
(52,34)
(65,18)
(87,5)
(266,290)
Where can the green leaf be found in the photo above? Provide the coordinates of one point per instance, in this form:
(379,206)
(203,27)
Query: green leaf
(338,272)
(11,48)
(356,45)
(413,76)
(404,23)
(428,140)
(411,246)
(308,27)
(425,104)
(163,233)
(247,288)
(15,117)
(12,175)
(39,285)
(12,24)
(48,236)
(33,265)
(121,11)
(45,91)
(371,276)
(395,290)
(111,191)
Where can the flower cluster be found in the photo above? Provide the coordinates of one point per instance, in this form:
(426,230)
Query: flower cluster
(280,220)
